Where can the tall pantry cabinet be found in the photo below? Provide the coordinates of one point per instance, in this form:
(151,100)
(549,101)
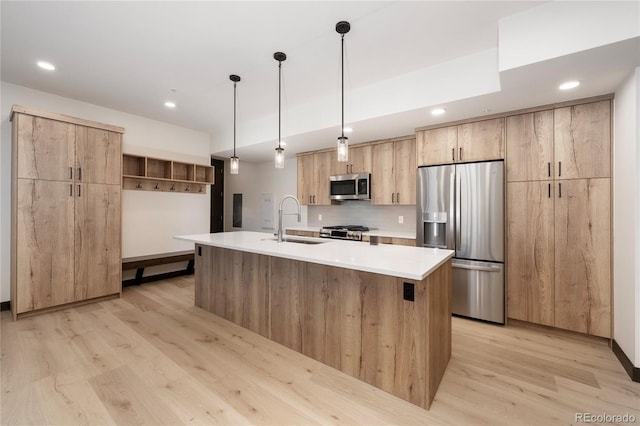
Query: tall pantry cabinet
(66,210)
(558,217)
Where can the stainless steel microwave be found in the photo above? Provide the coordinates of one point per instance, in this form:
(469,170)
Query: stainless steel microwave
(350,187)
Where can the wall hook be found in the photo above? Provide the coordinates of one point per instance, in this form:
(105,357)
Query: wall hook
(156,187)
(173,188)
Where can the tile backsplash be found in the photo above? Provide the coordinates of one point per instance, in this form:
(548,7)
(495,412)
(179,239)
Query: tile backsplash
(364,213)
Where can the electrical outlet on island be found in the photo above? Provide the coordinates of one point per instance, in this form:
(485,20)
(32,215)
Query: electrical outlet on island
(319,217)
(400,219)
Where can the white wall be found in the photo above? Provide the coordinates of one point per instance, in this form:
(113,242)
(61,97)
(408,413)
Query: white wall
(254,180)
(626,217)
(560,28)
(150,219)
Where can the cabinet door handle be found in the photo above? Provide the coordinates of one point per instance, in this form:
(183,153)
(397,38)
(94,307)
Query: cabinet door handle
(460,156)
(79,194)
(79,173)
(71,173)
(453,154)
(549,190)
(70,190)
(398,197)
(549,169)
(393,197)
(559,168)
(559,190)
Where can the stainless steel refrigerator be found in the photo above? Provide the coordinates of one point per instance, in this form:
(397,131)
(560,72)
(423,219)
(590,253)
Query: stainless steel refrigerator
(461,207)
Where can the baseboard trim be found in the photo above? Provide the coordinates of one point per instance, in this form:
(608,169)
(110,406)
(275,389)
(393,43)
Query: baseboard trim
(632,371)
(157,277)
(5,306)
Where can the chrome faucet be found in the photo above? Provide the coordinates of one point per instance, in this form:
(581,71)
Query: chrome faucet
(280,214)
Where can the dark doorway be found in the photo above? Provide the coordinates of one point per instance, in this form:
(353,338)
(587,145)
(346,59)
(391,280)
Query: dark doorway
(217,197)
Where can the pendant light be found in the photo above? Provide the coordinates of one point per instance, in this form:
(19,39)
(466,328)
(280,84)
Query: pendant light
(279,56)
(235,161)
(342,28)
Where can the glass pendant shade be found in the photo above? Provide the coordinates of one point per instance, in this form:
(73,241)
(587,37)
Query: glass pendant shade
(235,165)
(343,149)
(279,158)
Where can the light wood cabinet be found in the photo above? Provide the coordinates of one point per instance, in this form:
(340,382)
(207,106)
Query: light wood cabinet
(437,146)
(582,256)
(98,260)
(357,322)
(44,245)
(481,140)
(66,221)
(158,174)
(475,141)
(394,173)
(313,178)
(359,161)
(582,135)
(47,148)
(558,218)
(530,146)
(530,252)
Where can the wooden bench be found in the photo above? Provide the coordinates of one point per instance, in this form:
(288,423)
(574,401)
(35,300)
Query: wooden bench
(141,262)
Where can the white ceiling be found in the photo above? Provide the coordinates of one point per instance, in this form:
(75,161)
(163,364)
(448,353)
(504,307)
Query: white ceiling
(129,55)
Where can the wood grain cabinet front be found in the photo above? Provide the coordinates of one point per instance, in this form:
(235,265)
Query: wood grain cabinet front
(393,180)
(313,178)
(558,217)
(475,141)
(66,222)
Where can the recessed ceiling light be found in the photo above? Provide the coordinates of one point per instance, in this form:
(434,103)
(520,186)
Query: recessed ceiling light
(46,65)
(567,85)
(348,130)
(170,104)
(438,111)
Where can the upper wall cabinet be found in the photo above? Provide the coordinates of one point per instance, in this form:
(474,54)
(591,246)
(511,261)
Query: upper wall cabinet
(530,146)
(583,141)
(393,180)
(566,143)
(437,146)
(481,140)
(359,161)
(313,178)
(476,141)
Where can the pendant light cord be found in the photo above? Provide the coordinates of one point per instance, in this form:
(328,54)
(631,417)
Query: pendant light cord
(342,64)
(234,118)
(279,100)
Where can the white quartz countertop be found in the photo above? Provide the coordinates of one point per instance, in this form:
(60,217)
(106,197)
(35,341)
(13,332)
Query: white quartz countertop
(378,232)
(413,263)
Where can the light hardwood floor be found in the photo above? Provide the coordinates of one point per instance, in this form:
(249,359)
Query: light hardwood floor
(153,358)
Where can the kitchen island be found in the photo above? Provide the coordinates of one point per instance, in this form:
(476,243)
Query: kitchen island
(379,313)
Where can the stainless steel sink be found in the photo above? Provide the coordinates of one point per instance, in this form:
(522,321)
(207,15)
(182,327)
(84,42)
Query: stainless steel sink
(297,241)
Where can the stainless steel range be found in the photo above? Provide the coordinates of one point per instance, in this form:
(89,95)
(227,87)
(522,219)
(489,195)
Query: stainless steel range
(343,232)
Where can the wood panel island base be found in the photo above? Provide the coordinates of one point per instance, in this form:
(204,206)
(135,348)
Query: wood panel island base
(392,332)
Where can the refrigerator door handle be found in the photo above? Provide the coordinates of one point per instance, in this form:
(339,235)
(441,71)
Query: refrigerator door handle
(475,268)
(458,221)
